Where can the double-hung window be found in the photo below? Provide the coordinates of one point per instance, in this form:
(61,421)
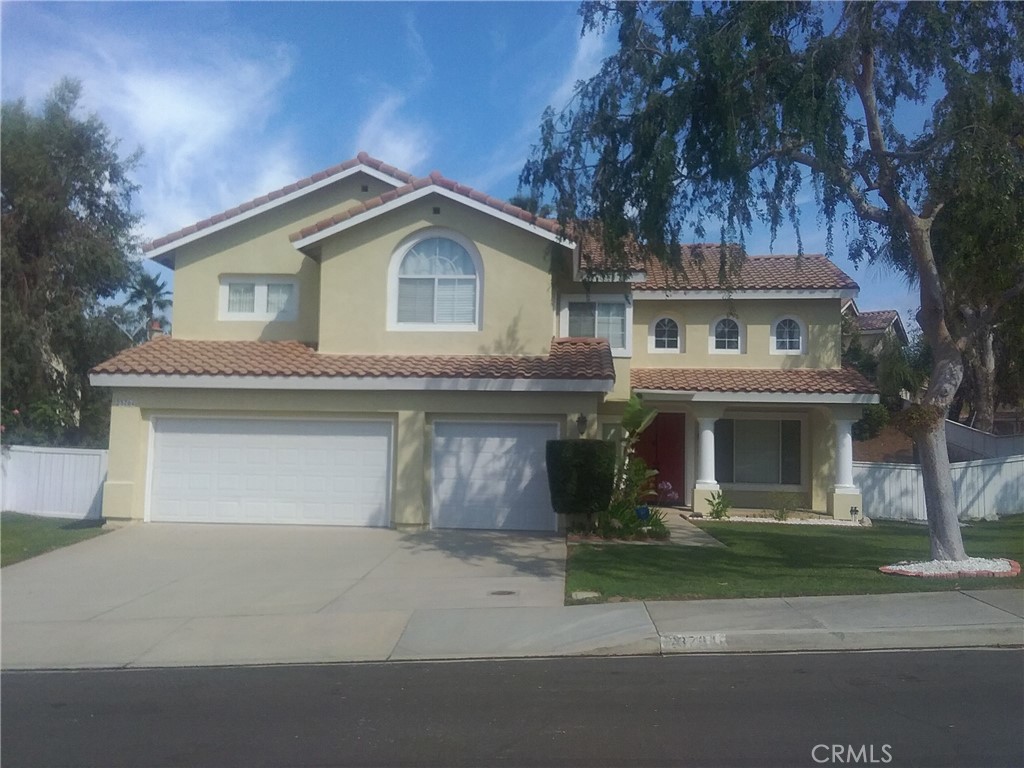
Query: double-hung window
(438,286)
(787,337)
(598,318)
(258,297)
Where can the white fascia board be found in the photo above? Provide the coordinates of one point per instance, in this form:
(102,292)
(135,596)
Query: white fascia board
(777,398)
(715,295)
(418,194)
(615,277)
(350,383)
(269,205)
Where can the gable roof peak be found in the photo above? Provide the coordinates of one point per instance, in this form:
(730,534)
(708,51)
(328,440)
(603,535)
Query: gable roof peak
(321,178)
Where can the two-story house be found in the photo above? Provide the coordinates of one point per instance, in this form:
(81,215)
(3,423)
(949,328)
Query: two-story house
(368,348)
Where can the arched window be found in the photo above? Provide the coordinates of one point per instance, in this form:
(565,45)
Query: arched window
(787,336)
(438,284)
(727,335)
(664,336)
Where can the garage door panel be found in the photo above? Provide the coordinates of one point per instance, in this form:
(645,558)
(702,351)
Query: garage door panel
(491,475)
(271,471)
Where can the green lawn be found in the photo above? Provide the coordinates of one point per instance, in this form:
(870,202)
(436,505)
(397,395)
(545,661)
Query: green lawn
(768,560)
(25,536)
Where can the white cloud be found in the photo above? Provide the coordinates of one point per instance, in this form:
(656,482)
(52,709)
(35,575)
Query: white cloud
(384,133)
(197,118)
(591,50)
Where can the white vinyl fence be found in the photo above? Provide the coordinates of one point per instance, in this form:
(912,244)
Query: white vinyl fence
(985,489)
(53,482)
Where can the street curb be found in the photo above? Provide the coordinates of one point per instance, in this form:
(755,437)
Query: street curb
(1001,635)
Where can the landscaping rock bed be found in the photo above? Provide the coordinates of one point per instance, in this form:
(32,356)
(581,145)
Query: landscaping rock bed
(956,569)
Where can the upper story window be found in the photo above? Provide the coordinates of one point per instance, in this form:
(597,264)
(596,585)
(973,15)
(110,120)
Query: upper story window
(664,336)
(726,336)
(603,317)
(258,297)
(436,280)
(788,337)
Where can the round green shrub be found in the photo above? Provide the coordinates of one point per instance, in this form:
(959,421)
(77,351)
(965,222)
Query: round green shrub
(581,474)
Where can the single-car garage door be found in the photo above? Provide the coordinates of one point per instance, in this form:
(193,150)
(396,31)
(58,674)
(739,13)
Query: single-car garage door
(491,475)
(271,471)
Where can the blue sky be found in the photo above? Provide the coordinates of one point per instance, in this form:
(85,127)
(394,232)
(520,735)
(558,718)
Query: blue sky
(232,100)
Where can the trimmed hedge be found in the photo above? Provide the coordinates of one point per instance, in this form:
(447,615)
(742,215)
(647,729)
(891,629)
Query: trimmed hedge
(581,475)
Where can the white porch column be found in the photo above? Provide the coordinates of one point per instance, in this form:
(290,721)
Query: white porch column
(706,454)
(844,456)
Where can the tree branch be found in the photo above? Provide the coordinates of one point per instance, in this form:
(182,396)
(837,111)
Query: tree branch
(844,178)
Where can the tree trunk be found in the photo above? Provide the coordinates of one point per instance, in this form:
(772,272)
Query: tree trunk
(985,383)
(940,502)
(929,429)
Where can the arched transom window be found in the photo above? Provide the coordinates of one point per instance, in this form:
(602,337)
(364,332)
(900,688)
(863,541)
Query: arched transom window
(727,334)
(437,284)
(666,334)
(787,335)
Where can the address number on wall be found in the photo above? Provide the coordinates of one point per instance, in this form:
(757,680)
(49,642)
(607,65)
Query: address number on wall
(125,403)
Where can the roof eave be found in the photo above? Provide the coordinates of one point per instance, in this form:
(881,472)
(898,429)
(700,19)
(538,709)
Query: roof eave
(350,383)
(167,249)
(763,398)
(300,243)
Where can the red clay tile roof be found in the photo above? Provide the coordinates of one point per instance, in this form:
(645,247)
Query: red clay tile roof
(704,267)
(437,180)
(570,358)
(804,381)
(361,159)
(875,321)
(762,273)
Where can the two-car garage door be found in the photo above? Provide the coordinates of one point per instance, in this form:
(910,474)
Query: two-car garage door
(271,471)
(488,475)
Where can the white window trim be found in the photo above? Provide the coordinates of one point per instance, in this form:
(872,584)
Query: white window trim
(260,282)
(608,298)
(711,336)
(772,349)
(805,468)
(396,262)
(652,349)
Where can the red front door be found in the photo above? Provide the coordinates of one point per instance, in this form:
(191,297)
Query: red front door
(661,446)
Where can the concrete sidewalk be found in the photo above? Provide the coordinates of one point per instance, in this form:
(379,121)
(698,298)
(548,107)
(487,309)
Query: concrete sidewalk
(922,620)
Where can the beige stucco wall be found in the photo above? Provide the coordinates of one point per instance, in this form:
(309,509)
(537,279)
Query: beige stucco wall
(412,413)
(820,316)
(517,305)
(259,246)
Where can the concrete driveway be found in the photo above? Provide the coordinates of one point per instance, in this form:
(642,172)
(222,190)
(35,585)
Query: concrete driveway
(161,595)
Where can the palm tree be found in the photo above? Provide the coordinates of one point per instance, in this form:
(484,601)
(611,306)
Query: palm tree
(150,295)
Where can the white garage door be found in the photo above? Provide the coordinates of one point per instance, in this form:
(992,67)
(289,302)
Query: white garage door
(489,475)
(271,471)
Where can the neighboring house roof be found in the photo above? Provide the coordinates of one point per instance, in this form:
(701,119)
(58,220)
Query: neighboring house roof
(362,161)
(879,321)
(412,190)
(803,381)
(570,359)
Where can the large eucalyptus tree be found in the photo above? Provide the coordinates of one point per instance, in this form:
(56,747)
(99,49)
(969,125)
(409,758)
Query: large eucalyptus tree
(719,112)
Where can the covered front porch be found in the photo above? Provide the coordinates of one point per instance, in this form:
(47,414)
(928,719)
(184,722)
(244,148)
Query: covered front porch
(762,449)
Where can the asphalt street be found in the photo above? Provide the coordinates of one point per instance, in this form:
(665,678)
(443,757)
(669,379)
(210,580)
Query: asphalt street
(932,708)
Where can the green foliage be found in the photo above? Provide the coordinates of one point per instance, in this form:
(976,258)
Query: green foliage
(580,475)
(718,505)
(64,252)
(151,299)
(783,505)
(871,424)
